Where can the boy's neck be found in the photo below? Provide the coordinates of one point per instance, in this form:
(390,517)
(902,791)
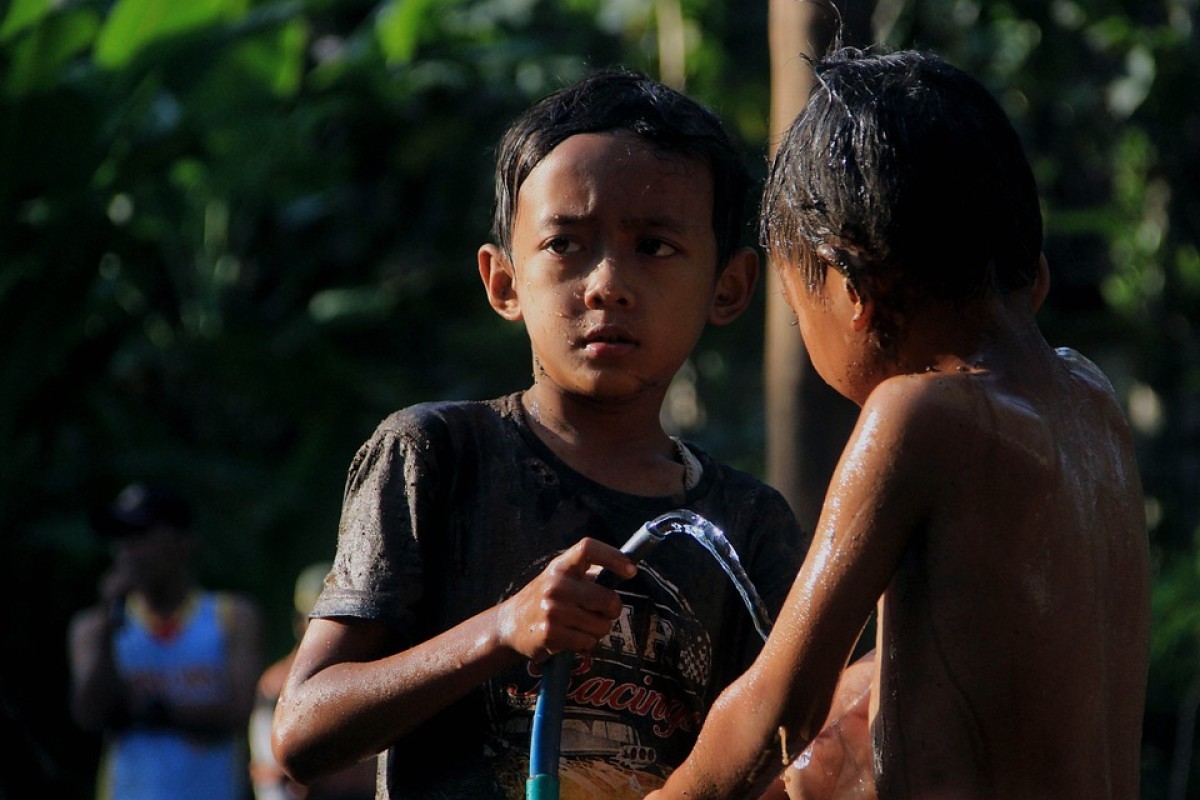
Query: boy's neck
(621,445)
(971,340)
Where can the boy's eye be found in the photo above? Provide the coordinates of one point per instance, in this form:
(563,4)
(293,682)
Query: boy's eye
(561,245)
(656,247)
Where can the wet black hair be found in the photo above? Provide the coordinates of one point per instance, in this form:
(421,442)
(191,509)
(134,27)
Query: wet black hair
(613,100)
(912,165)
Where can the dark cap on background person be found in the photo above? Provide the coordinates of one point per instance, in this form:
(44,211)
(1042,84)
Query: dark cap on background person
(141,507)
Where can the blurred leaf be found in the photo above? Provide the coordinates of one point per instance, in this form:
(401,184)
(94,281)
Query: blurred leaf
(133,25)
(23,14)
(271,58)
(37,57)
(402,24)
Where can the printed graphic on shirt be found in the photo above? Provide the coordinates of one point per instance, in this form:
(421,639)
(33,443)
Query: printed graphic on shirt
(633,706)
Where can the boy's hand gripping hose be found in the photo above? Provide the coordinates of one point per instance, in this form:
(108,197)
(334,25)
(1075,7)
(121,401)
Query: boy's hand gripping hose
(546,730)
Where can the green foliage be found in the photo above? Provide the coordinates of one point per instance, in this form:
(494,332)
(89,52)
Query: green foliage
(235,234)
(134,25)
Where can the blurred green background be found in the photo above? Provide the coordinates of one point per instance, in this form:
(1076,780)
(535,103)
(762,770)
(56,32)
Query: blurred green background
(234,235)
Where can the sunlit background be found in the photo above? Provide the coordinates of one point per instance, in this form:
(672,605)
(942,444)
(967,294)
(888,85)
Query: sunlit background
(234,235)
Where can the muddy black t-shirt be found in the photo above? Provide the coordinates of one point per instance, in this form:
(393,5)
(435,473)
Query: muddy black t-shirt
(452,507)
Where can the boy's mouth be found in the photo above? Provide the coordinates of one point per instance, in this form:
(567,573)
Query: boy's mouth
(608,339)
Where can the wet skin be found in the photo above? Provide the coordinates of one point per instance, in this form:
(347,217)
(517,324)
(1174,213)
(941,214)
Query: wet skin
(989,500)
(838,764)
(614,273)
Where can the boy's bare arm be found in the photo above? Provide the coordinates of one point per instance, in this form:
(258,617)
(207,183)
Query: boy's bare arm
(839,763)
(348,696)
(876,499)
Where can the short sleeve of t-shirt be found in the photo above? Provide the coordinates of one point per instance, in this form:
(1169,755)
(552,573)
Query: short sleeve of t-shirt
(377,573)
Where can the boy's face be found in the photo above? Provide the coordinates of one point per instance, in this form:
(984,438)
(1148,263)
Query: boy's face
(833,323)
(613,268)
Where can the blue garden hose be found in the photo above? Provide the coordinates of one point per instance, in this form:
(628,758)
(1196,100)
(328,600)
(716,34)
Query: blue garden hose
(546,728)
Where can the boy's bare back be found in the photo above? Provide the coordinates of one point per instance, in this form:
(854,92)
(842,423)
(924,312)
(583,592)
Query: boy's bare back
(993,508)
(1011,655)
(988,501)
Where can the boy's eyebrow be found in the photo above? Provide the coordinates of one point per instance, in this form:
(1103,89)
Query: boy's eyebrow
(563,219)
(671,223)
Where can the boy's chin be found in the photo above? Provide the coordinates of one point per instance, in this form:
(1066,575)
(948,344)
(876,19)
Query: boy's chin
(612,390)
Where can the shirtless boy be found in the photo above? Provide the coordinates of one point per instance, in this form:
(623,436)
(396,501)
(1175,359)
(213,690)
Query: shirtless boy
(988,498)
(462,563)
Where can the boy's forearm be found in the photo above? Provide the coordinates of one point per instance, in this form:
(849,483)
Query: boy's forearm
(759,724)
(353,709)
(351,695)
(736,756)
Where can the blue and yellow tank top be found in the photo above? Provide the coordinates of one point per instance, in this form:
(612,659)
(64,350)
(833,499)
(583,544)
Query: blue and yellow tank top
(183,660)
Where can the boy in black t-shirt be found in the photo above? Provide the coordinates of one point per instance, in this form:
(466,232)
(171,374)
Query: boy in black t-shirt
(471,531)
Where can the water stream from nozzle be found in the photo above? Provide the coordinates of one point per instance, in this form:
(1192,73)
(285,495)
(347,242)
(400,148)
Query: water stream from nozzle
(547,716)
(710,537)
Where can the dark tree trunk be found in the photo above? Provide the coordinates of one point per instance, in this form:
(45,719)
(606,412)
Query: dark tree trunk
(807,422)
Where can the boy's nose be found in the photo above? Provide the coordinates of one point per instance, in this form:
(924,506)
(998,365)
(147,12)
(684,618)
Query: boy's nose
(606,287)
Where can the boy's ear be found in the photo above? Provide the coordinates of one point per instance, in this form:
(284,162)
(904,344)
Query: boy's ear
(1041,283)
(499,281)
(845,262)
(735,287)
(861,303)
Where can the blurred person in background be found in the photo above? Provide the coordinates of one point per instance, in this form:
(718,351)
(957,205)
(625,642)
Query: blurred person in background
(270,782)
(164,668)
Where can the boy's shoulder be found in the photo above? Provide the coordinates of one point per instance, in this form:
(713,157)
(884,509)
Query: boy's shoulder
(948,415)
(431,414)
(913,399)
(441,430)
(1085,370)
(950,410)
